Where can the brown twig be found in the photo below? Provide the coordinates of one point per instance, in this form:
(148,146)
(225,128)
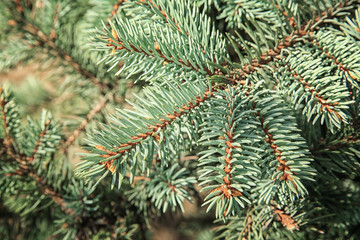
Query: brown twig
(100,106)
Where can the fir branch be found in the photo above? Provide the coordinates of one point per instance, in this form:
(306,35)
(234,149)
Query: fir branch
(49,191)
(341,66)
(50,41)
(118,45)
(25,169)
(141,45)
(226,189)
(291,20)
(158,8)
(53,35)
(332,57)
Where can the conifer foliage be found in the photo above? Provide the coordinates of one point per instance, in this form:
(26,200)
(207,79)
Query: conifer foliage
(250,109)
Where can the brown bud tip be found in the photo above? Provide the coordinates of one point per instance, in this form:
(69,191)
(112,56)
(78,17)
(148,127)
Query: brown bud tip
(12,22)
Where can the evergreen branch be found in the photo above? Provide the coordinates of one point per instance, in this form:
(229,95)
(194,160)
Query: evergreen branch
(38,143)
(49,41)
(25,167)
(288,155)
(158,8)
(55,18)
(96,109)
(332,57)
(305,30)
(291,20)
(297,83)
(169,187)
(19,8)
(44,39)
(226,189)
(49,191)
(164,122)
(345,141)
(227,164)
(139,46)
(118,45)
(348,66)
(10,118)
(114,11)
(321,99)
(284,168)
(3,102)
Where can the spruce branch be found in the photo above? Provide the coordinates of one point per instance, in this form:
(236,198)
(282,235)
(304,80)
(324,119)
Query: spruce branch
(114,11)
(50,41)
(3,102)
(101,103)
(305,31)
(39,141)
(44,39)
(26,161)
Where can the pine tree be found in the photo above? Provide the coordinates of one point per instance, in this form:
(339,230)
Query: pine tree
(247,108)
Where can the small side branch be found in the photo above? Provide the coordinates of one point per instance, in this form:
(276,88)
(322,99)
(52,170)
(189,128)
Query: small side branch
(101,105)
(153,129)
(8,139)
(118,45)
(226,189)
(284,168)
(324,105)
(306,30)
